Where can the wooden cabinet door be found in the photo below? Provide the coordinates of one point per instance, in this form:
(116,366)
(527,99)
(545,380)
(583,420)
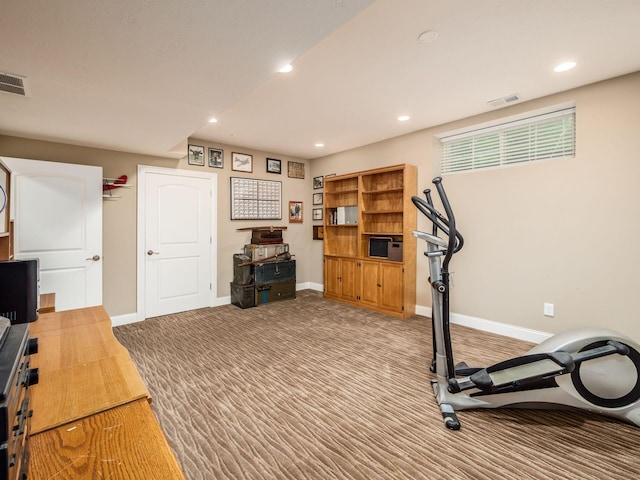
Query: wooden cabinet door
(392,287)
(349,278)
(369,283)
(332,276)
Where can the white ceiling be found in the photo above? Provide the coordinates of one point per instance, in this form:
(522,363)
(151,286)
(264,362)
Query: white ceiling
(143,77)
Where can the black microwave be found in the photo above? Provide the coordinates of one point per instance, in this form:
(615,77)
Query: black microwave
(379,246)
(385,247)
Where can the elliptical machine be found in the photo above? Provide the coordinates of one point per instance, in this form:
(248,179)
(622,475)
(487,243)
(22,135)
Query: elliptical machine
(594,369)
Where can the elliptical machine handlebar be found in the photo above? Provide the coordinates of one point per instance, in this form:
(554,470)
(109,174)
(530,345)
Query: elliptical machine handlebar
(439,278)
(445,223)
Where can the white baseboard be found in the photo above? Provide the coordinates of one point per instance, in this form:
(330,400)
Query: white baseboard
(513,331)
(125,319)
(222,301)
(318,287)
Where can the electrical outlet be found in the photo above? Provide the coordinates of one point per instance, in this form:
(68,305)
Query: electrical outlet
(548,309)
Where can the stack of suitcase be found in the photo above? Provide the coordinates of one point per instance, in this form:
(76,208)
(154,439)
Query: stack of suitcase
(263,273)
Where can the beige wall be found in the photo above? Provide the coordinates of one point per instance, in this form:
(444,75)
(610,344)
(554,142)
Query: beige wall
(120,216)
(558,231)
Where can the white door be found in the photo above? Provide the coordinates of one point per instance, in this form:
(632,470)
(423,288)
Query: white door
(177,240)
(57,209)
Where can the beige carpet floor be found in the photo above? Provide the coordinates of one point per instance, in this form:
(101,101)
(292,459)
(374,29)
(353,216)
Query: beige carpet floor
(312,389)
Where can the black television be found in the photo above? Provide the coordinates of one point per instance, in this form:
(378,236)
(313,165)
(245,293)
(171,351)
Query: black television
(19,296)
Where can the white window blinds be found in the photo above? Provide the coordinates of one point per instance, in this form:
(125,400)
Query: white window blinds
(550,135)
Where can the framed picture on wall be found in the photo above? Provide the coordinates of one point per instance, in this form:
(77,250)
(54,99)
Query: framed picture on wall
(216,158)
(274,165)
(241,162)
(318,182)
(317,214)
(196,155)
(296,169)
(317,199)
(295,212)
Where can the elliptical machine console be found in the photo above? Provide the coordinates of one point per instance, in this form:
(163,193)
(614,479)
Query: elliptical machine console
(593,369)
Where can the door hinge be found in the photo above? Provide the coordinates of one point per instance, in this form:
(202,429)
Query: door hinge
(210,286)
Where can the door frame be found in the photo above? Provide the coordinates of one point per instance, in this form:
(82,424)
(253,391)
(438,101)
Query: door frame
(141,255)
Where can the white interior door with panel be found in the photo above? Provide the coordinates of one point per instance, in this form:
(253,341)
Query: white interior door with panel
(176,240)
(57,208)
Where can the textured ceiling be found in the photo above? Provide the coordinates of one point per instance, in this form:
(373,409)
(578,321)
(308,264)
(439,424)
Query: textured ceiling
(143,77)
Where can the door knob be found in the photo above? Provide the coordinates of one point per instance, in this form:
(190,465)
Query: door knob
(95,258)
(151,252)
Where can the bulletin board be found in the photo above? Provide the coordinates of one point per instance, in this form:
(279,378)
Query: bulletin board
(253,199)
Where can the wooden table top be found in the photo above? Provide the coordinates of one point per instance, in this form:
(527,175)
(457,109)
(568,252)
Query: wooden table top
(83,368)
(135,448)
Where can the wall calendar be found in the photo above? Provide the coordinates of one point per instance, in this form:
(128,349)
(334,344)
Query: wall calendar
(253,199)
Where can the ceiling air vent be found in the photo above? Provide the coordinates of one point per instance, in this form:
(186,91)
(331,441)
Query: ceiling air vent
(12,84)
(499,102)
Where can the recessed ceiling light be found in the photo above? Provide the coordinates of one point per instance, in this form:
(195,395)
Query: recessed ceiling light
(213,120)
(563,67)
(428,36)
(319,145)
(286,69)
(403,118)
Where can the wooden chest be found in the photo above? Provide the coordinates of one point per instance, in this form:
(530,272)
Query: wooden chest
(266,236)
(273,292)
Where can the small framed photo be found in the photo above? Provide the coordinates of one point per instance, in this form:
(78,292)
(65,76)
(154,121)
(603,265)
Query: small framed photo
(274,165)
(216,158)
(196,155)
(318,232)
(317,214)
(317,199)
(241,162)
(318,182)
(296,170)
(295,212)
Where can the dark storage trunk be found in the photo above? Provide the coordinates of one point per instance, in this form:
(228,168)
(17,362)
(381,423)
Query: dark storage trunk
(244,296)
(272,292)
(270,272)
(242,275)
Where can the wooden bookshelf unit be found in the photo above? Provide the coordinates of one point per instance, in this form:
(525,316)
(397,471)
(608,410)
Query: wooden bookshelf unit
(361,207)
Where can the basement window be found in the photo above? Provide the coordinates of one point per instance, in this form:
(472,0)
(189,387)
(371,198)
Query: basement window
(537,137)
